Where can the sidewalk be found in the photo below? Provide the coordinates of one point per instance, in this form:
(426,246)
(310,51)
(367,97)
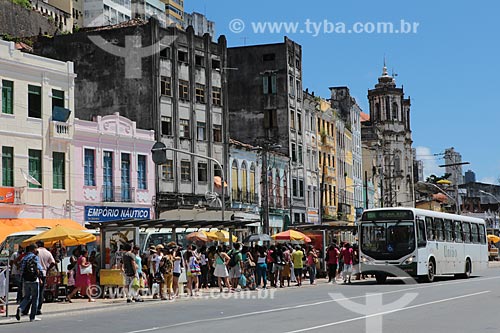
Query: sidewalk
(79,305)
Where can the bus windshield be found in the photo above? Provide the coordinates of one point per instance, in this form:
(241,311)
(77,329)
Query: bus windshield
(387,240)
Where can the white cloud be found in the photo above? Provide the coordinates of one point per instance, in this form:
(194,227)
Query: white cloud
(431,163)
(488,180)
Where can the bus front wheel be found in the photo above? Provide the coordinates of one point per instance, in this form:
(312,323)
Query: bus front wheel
(431,272)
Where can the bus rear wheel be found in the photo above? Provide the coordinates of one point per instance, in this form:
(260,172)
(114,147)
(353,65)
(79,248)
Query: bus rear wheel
(381,278)
(468,270)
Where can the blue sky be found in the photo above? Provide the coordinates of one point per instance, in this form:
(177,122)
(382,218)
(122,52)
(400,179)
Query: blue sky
(449,67)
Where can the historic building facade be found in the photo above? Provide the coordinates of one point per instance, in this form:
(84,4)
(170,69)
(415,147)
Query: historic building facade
(389,132)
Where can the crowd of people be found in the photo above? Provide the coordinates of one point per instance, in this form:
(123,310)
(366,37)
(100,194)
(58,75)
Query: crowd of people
(230,269)
(160,269)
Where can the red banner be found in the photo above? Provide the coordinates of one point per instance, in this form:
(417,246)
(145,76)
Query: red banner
(7,194)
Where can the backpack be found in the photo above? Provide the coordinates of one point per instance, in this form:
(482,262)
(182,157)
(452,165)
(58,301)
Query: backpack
(234,257)
(31,271)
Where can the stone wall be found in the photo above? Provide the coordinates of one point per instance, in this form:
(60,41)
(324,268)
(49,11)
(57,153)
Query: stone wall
(18,21)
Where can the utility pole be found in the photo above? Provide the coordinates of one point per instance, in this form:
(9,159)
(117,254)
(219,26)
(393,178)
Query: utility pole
(455,180)
(265,196)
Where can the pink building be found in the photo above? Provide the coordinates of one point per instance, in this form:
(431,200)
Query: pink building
(114,175)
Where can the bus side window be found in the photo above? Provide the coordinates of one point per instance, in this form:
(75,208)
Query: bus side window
(466,228)
(458,233)
(475,232)
(430,228)
(421,242)
(448,231)
(438,225)
(482,234)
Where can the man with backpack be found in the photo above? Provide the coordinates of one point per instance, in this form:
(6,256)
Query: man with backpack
(31,273)
(235,265)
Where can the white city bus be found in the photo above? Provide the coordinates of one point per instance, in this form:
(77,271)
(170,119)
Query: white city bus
(422,243)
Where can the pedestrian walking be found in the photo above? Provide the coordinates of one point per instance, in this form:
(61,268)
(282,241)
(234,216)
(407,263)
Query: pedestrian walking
(312,260)
(47,262)
(332,257)
(82,281)
(347,255)
(176,271)
(31,272)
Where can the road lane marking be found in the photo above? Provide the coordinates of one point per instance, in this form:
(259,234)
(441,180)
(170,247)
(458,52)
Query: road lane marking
(299,306)
(388,312)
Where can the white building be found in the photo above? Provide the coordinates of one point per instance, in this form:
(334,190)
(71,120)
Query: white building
(200,24)
(35,134)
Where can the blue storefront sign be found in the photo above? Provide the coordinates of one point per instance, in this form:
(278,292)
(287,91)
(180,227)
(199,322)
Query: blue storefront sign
(106,213)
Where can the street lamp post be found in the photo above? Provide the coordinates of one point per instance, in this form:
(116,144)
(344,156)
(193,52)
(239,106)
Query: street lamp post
(424,184)
(498,202)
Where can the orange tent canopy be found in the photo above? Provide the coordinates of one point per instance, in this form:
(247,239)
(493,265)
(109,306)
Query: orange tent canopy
(10,226)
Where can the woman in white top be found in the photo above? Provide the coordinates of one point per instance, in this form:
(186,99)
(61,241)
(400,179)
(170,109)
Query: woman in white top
(177,270)
(221,260)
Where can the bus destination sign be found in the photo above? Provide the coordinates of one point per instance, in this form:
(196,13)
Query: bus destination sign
(387,215)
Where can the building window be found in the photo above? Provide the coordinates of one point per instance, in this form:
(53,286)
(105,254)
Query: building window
(7,166)
(202,172)
(216,64)
(58,171)
(165,52)
(217,171)
(216,96)
(299,122)
(292,119)
(201,130)
(125,174)
(234,181)
(35,166)
(268,57)
(252,183)
(244,182)
(141,172)
(34,101)
(299,153)
(183,90)
(299,90)
(301,188)
(200,93)
(270,118)
(166,86)
(291,86)
(217,133)
(166,126)
(294,152)
(269,84)
(294,187)
(107,171)
(7,97)
(89,167)
(168,170)
(57,98)
(185,171)
(182,56)
(199,60)
(184,128)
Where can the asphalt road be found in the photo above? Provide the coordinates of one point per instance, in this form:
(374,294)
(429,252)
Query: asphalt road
(447,305)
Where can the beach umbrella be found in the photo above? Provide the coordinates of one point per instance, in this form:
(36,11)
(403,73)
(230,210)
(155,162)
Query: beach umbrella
(291,235)
(223,236)
(197,236)
(257,238)
(65,235)
(493,238)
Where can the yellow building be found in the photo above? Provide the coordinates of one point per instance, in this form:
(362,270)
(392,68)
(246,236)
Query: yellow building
(327,160)
(174,10)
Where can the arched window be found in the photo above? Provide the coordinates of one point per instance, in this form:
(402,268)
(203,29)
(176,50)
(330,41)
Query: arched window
(395,110)
(387,109)
(378,116)
(252,184)
(285,189)
(278,189)
(234,181)
(244,180)
(397,163)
